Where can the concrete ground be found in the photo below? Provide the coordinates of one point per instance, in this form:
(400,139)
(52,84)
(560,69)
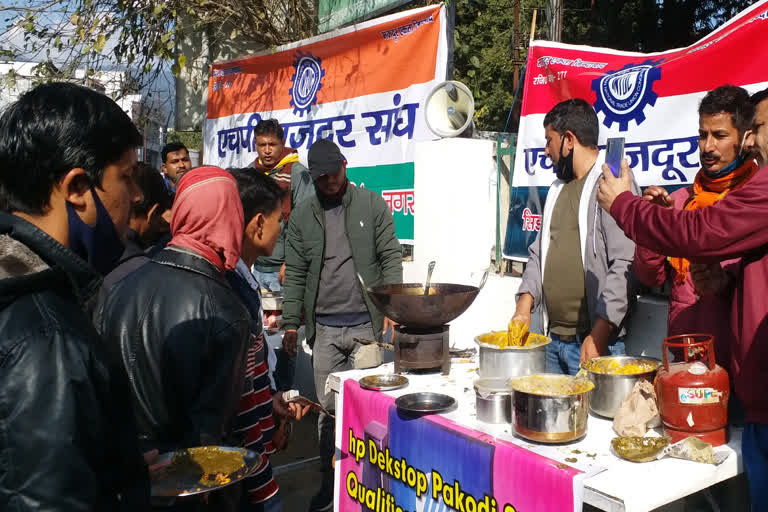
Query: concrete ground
(297,468)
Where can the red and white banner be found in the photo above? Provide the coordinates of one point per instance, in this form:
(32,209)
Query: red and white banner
(650,99)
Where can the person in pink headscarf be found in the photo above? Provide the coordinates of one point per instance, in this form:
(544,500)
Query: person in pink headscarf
(182,332)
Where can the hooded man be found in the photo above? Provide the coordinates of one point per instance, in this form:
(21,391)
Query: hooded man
(281,163)
(181,330)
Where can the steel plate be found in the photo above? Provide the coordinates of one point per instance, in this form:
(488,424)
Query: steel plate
(425,403)
(168,481)
(386,382)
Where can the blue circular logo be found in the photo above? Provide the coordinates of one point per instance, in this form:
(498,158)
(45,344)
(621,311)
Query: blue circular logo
(622,95)
(306,81)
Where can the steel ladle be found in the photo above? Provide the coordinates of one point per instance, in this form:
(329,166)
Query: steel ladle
(430,268)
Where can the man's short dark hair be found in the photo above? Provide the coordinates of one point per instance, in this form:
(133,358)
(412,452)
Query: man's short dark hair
(172,147)
(759,97)
(269,127)
(153,189)
(258,192)
(732,100)
(52,129)
(577,116)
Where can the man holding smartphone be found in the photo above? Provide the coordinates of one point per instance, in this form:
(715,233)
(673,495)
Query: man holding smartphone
(733,227)
(700,298)
(578,270)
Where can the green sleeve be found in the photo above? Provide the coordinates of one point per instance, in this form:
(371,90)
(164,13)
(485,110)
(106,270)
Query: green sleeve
(296,268)
(388,250)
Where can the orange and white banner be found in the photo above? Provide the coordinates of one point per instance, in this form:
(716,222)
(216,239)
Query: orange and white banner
(363,87)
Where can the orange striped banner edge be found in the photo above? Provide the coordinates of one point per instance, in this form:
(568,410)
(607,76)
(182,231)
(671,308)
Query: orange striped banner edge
(356,63)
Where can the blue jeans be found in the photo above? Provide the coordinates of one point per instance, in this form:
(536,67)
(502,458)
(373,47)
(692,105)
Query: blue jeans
(268,280)
(754,449)
(565,356)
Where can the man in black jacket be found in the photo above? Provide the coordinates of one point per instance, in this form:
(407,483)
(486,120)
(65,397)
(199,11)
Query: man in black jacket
(67,437)
(181,330)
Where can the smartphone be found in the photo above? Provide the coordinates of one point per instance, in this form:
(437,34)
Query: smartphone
(614,153)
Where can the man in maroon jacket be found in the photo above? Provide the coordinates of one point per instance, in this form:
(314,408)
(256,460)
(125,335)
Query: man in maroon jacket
(731,228)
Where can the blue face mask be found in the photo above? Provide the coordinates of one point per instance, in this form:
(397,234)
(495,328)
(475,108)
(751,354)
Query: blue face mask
(735,164)
(100,244)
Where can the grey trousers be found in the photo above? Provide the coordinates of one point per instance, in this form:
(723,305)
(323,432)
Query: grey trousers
(333,351)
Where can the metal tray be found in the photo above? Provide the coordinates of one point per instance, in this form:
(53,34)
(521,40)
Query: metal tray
(425,403)
(386,382)
(168,482)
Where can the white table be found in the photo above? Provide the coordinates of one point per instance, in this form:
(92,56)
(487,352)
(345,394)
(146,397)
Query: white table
(610,483)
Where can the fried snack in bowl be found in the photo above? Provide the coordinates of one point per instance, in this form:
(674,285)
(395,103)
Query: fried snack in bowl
(516,336)
(639,449)
(620,366)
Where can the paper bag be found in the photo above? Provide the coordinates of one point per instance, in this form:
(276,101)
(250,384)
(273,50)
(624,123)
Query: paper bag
(638,412)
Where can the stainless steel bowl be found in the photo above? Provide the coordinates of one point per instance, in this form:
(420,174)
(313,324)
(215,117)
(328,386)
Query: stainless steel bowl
(493,401)
(611,389)
(549,418)
(495,362)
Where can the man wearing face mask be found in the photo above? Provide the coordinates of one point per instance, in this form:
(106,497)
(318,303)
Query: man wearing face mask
(699,297)
(578,268)
(67,437)
(733,227)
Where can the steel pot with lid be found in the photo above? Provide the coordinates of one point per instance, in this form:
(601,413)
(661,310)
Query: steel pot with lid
(508,362)
(550,408)
(493,401)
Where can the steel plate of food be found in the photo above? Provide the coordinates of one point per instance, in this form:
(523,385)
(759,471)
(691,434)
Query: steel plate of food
(200,469)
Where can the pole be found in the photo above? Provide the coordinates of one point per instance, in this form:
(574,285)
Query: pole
(516,75)
(556,30)
(533,25)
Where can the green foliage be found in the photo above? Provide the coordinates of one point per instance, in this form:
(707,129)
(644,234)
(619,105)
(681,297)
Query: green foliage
(484,54)
(192,140)
(485,57)
(103,34)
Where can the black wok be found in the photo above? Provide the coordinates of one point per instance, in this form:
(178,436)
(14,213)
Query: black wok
(407,305)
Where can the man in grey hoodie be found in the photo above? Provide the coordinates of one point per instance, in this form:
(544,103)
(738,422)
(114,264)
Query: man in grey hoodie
(586,292)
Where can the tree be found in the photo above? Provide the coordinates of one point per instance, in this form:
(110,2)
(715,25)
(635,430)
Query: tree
(77,39)
(485,57)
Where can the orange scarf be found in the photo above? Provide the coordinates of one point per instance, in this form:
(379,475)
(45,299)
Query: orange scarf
(706,192)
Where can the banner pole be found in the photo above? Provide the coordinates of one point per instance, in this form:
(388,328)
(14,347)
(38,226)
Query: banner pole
(533,25)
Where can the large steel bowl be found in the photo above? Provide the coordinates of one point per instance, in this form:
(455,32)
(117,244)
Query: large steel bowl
(612,388)
(407,305)
(552,417)
(510,362)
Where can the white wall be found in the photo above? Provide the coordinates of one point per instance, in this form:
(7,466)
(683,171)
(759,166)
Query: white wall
(455,225)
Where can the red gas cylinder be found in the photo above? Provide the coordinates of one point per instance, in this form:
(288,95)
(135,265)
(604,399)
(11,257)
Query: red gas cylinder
(693,390)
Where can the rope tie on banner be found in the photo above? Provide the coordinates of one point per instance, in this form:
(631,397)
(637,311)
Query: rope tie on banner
(514,99)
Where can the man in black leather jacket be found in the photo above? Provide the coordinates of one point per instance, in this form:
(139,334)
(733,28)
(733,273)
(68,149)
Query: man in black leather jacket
(67,439)
(181,330)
